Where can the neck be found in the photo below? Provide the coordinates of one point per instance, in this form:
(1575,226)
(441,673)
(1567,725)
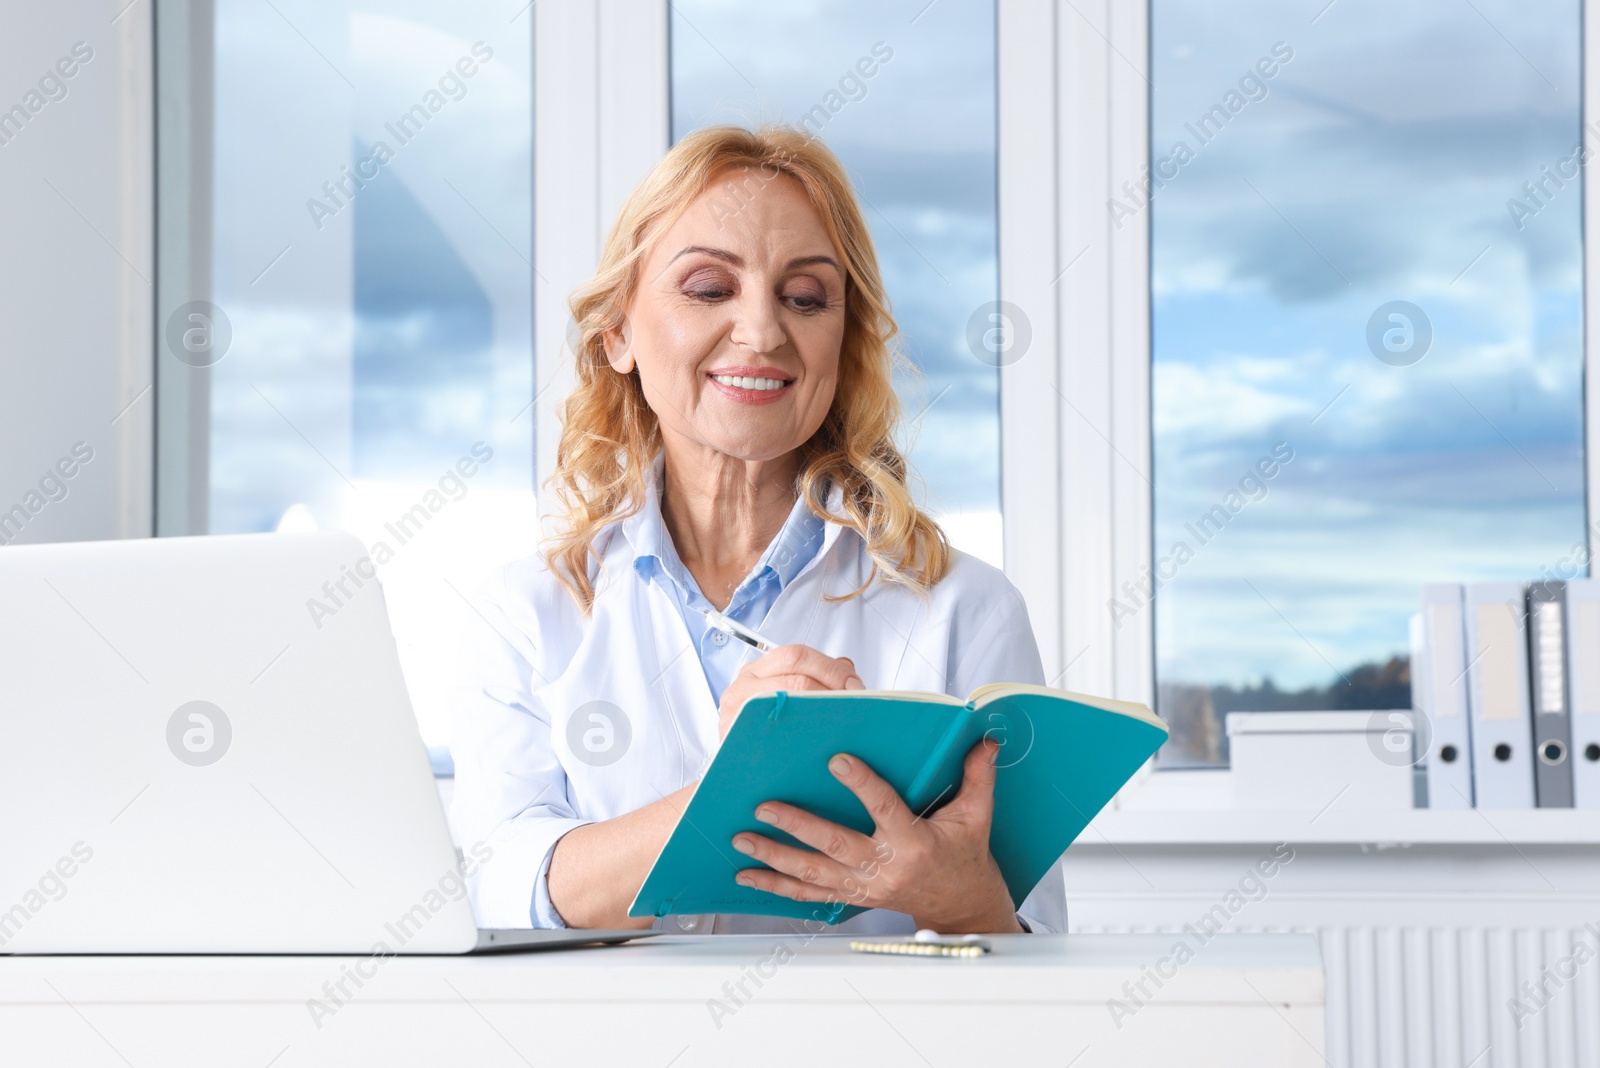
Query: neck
(723,512)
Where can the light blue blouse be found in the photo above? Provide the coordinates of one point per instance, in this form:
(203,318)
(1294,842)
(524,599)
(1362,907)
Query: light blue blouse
(656,560)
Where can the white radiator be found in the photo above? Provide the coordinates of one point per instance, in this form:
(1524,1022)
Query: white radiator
(1445,997)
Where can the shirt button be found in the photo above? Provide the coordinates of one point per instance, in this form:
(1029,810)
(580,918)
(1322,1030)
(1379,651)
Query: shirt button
(688,923)
(718,638)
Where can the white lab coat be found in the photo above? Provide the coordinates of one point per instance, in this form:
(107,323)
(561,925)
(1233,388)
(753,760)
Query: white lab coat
(526,774)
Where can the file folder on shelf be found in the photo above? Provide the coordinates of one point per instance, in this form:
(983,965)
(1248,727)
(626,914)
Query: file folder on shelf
(1439,693)
(1497,695)
(1583,691)
(1547,665)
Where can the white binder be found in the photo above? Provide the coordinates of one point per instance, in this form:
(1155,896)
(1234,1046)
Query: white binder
(1583,686)
(1498,695)
(1439,693)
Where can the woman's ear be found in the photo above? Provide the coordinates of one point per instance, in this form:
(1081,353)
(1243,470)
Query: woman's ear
(619,348)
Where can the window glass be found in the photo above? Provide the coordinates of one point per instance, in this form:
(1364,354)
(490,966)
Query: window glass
(904,93)
(1366,273)
(372,245)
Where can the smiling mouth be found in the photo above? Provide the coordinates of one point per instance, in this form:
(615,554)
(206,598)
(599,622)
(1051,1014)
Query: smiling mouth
(760,385)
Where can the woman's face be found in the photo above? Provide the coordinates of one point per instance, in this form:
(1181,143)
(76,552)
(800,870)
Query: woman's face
(745,286)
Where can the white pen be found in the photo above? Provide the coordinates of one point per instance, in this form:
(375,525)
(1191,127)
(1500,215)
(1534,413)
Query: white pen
(738,630)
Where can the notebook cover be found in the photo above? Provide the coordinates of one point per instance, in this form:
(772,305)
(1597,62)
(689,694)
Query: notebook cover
(1059,762)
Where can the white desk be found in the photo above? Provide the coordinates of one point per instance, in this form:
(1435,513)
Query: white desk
(1042,999)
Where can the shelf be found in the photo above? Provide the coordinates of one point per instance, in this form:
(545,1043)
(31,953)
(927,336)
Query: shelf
(1557,827)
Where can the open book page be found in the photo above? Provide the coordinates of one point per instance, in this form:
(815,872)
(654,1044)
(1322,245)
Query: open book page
(898,695)
(994,691)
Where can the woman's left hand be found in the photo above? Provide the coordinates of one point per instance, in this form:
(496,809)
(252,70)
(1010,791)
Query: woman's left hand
(938,869)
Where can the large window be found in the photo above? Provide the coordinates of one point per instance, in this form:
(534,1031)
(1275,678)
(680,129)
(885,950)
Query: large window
(370,242)
(1366,282)
(904,92)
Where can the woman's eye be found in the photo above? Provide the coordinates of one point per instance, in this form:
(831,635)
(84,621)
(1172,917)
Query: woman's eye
(808,303)
(706,284)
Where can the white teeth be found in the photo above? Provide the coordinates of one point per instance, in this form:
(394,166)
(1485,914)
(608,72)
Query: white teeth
(749,383)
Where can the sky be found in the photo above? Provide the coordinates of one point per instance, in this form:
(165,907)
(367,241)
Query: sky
(394,333)
(1374,166)
(374,346)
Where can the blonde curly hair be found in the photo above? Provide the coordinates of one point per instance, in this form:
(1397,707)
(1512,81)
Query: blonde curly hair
(609,434)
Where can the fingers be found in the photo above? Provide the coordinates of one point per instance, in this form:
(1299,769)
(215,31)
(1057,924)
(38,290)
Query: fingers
(804,866)
(791,682)
(840,843)
(750,683)
(976,796)
(829,673)
(889,813)
(787,886)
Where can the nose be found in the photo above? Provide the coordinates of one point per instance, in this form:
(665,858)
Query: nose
(757,324)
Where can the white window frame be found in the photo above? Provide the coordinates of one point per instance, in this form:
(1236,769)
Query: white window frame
(601,120)
(1074,121)
(184,94)
(1073,115)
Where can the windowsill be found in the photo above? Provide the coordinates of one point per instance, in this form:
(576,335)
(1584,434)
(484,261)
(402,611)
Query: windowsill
(1197,825)
(1189,807)
(1376,827)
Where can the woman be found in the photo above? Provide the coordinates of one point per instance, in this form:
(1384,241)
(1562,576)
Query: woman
(729,446)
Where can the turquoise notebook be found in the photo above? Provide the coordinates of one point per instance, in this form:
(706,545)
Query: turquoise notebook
(1061,758)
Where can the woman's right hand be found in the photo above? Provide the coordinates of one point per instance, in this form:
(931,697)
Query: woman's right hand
(794,668)
(596,868)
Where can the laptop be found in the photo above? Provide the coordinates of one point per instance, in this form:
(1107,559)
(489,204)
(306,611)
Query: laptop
(208,747)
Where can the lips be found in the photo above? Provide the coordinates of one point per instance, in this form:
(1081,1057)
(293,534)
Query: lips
(737,391)
(760,385)
(751,371)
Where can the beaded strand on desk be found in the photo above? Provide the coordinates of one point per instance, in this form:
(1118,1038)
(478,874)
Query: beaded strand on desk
(927,944)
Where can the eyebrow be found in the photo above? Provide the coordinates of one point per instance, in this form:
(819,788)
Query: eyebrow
(738,261)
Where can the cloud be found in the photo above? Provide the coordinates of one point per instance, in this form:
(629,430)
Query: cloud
(1385,150)
(938,89)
